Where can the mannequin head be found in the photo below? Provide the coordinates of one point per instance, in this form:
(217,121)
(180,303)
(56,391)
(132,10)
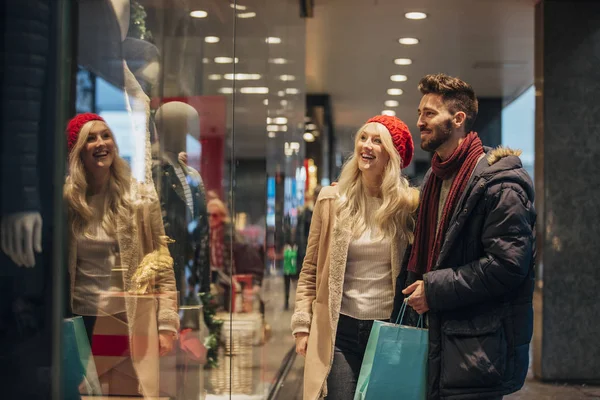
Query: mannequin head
(174,121)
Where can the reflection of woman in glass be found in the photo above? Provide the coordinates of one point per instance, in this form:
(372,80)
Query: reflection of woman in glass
(114,223)
(359,232)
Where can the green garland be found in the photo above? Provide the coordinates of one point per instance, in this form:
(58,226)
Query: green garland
(213,341)
(137,26)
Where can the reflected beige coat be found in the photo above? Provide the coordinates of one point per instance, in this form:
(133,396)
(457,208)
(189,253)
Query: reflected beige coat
(138,235)
(319,293)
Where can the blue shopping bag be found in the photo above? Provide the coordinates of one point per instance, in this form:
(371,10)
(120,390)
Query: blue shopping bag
(397,367)
(76,357)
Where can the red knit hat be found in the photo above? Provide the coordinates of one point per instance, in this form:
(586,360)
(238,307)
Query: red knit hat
(74,127)
(400,136)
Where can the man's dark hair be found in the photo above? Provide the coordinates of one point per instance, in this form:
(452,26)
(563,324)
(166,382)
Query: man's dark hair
(456,93)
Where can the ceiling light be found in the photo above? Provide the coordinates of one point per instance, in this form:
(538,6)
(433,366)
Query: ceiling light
(212,39)
(415,15)
(292,91)
(281,93)
(391,113)
(402,61)
(242,77)
(272,134)
(277,128)
(311,127)
(408,41)
(254,90)
(238,7)
(246,15)
(266,102)
(214,77)
(206,60)
(225,60)
(308,137)
(395,92)
(286,78)
(198,14)
(398,78)
(273,40)
(283,102)
(280,120)
(225,90)
(269,120)
(391,103)
(278,61)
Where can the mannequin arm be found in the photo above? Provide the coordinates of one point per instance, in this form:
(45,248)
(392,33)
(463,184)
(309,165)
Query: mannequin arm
(21,235)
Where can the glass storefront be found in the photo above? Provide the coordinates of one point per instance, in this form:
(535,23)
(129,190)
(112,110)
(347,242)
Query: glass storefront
(203,104)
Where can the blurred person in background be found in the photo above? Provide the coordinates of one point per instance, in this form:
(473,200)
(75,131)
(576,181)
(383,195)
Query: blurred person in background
(360,229)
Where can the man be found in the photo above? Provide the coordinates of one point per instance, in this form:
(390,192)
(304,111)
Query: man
(471,266)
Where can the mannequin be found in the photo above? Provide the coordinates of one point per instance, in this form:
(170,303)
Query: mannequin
(183,198)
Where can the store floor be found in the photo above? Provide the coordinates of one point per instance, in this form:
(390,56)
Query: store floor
(253,372)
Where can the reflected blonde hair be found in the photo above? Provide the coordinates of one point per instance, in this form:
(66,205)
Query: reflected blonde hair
(117,200)
(222,209)
(395,217)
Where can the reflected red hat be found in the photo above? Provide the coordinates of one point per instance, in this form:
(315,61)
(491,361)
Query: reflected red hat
(401,136)
(74,127)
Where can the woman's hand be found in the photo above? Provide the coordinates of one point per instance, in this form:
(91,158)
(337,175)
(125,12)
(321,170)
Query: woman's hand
(301,343)
(165,342)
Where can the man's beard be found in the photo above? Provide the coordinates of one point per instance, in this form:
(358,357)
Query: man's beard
(439,135)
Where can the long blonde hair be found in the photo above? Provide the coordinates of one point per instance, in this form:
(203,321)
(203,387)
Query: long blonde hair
(222,209)
(395,217)
(117,200)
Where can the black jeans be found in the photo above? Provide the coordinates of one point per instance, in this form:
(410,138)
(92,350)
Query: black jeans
(350,345)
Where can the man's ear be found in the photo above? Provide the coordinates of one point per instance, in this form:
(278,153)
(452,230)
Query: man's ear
(459,119)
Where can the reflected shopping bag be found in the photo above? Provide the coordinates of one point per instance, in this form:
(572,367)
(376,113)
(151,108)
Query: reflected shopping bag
(78,363)
(395,362)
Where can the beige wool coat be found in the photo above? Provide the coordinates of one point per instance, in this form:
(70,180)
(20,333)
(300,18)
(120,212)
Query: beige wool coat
(138,235)
(319,292)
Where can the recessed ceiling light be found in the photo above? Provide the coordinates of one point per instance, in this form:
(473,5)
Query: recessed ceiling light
(212,39)
(408,41)
(277,128)
(266,102)
(225,90)
(391,113)
(238,7)
(398,78)
(308,137)
(214,77)
(273,40)
(395,92)
(292,91)
(225,60)
(278,61)
(391,103)
(254,90)
(206,60)
(311,127)
(283,102)
(242,77)
(281,93)
(272,135)
(280,120)
(198,14)
(286,78)
(415,15)
(402,61)
(246,15)
(269,120)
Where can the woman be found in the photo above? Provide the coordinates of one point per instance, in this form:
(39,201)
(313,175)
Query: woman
(116,231)
(359,232)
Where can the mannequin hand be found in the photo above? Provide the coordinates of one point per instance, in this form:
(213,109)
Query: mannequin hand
(21,235)
(165,342)
(301,343)
(182,157)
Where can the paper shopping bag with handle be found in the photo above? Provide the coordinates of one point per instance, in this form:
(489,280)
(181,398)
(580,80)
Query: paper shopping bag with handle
(397,367)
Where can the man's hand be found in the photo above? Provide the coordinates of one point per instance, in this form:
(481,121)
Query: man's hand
(301,343)
(417,299)
(165,342)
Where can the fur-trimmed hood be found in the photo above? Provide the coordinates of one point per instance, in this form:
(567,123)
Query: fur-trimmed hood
(500,152)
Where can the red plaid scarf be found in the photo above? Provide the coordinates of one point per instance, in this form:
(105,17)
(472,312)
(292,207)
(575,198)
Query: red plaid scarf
(427,244)
(216,247)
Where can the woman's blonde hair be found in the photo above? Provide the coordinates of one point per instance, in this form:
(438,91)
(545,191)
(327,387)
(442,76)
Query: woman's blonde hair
(395,217)
(222,209)
(117,200)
